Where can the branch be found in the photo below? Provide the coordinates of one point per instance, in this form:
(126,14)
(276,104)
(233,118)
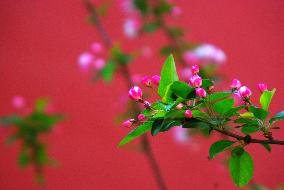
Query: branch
(127,77)
(238,137)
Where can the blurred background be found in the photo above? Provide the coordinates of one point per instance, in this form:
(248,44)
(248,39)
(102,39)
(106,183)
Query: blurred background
(39,46)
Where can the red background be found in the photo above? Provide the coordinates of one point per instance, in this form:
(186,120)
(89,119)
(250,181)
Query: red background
(39,45)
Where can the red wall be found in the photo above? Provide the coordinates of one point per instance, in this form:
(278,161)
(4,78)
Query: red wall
(39,45)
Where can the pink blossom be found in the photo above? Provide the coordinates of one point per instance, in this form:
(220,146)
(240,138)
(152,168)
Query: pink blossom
(245,92)
(99,63)
(200,92)
(18,102)
(188,114)
(131,27)
(179,106)
(135,93)
(85,59)
(156,79)
(176,11)
(236,84)
(195,69)
(128,123)
(141,117)
(195,81)
(262,87)
(146,81)
(96,47)
(190,57)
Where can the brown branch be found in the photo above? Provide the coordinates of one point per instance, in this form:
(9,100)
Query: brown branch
(127,77)
(238,137)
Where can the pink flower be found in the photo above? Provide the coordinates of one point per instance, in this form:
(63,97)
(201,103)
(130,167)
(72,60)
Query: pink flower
(99,63)
(141,117)
(131,27)
(85,59)
(135,93)
(195,69)
(147,81)
(236,84)
(190,57)
(128,123)
(176,11)
(245,92)
(96,47)
(200,92)
(262,87)
(179,106)
(18,102)
(188,114)
(195,81)
(156,79)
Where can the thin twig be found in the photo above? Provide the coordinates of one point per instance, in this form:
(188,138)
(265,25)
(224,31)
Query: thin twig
(126,74)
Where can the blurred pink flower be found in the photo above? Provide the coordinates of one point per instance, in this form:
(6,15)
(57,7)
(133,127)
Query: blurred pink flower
(236,84)
(18,102)
(85,59)
(127,6)
(156,79)
(181,134)
(190,57)
(176,11)
(131,27)
(195,81)
(96,47)
(146,81)
(262,87)
(185,73)
(99,63)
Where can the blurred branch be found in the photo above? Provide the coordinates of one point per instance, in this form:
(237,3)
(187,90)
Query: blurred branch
(127,77)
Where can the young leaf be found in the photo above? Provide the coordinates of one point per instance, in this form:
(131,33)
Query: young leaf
(266,146)
(108,71)
(223,106)
(23,158)
(241,167)
(219,147)
(181,89)
(258,112)
(277,117)
(168,75)
(249,129)
(234,111)
(136,132)
(218,95)
(200,115)
(266,98)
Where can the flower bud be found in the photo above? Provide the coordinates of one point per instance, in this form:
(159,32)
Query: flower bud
(200,92)
(236,84)
(141,117)
(128,123)
(245,92)
(85,59)
(96,47)
(135,93)
(188,114)
(156,79)
(147,104)
(147,81)
(195,81)
(195,69)
(99,63)
(18,102)
(262,87)
(179,106)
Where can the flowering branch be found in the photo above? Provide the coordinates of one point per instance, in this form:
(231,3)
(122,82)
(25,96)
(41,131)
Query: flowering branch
(126,74)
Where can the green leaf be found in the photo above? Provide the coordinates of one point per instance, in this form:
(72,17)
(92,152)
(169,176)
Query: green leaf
(218,95)
(167,124)
(168,75)
(219,147)
(241,167)
(175,114)
(157,126)
(10,120)
(266,98)
(246,121)
(234,111)
(140,130)
(159,114)
(223,106)
(41,155)
(277,117)
(266,146)
(23,158)
(206,83)
(41,105)
(181,89)
(141,5)
(249,129)
(258,112)
(108,71)
(150,27)
(166,50)
(200,115)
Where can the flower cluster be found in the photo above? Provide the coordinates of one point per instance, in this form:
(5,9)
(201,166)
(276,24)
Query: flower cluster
(92,59)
